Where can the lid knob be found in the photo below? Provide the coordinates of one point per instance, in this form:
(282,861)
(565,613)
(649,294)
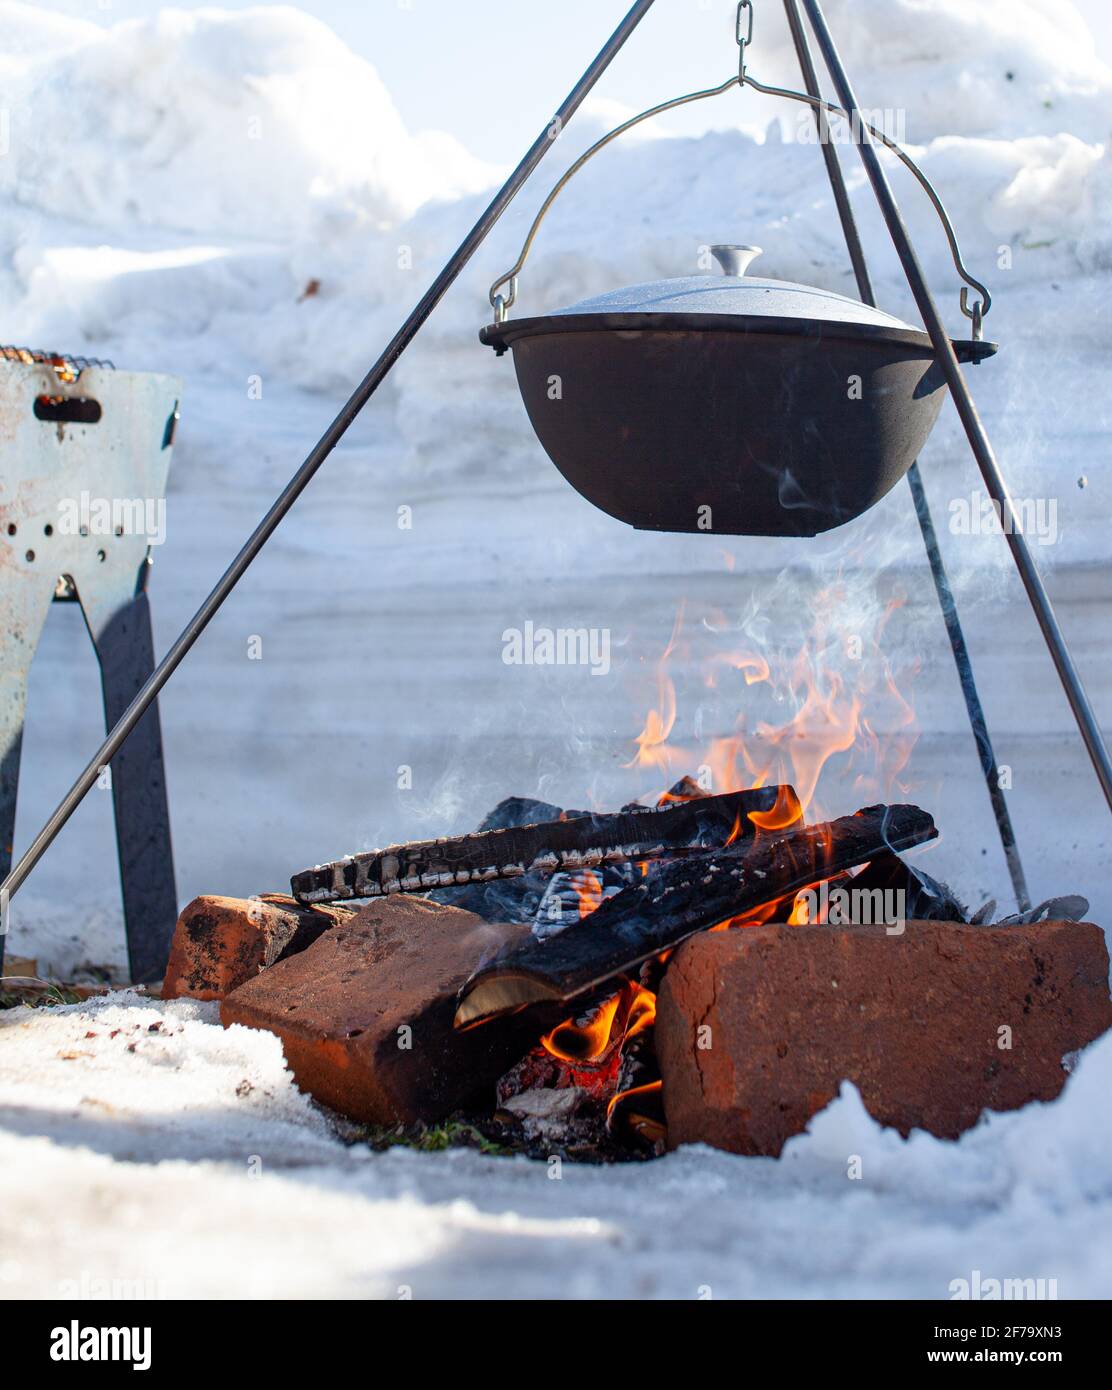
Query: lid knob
(735,260)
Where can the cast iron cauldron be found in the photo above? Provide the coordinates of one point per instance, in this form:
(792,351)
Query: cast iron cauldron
(728,404)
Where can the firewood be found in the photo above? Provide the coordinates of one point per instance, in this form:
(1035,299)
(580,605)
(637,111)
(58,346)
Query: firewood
(507,899)
(925,899)
(574,843)
(679,898)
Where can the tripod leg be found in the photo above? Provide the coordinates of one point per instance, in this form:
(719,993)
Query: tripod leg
(133,713)
(977,721)
(979,442)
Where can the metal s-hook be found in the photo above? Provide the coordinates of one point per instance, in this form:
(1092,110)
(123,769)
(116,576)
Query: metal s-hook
(503,303)
(977,312)
(744,33)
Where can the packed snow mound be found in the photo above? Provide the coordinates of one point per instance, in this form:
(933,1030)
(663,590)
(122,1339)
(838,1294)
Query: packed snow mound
(255,124)
(989,68)
(32,33)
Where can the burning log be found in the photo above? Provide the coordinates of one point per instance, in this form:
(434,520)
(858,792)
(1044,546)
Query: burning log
(552,901)
(574,843)
(677,899)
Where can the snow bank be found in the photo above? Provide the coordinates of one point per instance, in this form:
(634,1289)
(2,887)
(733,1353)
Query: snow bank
(258,123)
(990,69)
(231,160)
(37,35)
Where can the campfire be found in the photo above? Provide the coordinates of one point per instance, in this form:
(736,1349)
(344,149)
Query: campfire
(711,967)
(594,983)
(599,1063)
(608,898)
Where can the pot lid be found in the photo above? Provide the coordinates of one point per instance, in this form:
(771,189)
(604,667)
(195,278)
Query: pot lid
(734,292)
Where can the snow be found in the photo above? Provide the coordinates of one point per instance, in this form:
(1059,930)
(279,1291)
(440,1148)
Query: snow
(992,69)
(170,187)
(191,1167)
(262,122)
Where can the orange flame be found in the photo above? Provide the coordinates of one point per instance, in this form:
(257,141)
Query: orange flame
(786,811)
(838,689)
(799,916)
(617,1020)
(650,1088)
(754,668)
(653,739)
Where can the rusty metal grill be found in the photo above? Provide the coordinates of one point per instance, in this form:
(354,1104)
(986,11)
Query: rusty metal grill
(64,363)
(78,437)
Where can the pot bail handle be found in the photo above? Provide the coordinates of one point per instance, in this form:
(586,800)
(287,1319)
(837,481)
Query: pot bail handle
(502,303)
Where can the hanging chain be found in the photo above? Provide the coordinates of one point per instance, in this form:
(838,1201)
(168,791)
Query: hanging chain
(744,31)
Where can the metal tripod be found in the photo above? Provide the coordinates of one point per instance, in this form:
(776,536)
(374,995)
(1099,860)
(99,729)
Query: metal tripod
(974,429)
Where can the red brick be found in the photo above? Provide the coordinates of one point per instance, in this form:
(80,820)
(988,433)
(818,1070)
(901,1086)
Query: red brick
(221,942)
(911,1020)
(339,1005)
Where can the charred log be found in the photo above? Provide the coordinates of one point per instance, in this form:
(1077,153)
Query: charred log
(686,789)
(924,899)
(507,899)
(677,899)
(574,843)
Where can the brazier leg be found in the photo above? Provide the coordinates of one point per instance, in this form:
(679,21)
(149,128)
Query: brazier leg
(121,631)
(25,607)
